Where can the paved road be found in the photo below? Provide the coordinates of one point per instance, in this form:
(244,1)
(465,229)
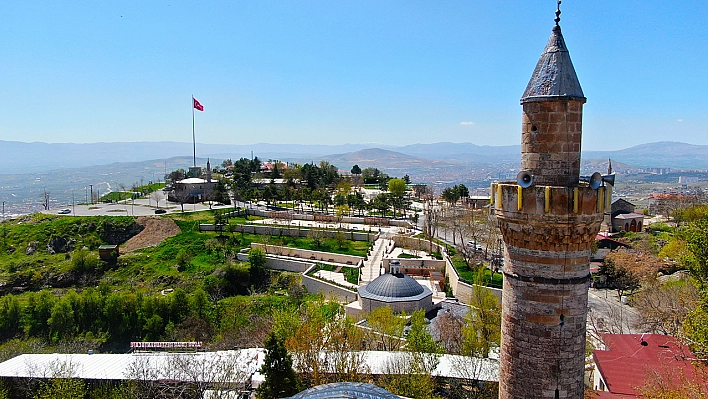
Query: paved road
(138,207)
(607,313)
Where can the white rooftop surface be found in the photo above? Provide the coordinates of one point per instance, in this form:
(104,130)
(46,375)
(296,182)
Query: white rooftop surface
(242,364)
(434,288)
(192,180)
(629,216)
(249,361)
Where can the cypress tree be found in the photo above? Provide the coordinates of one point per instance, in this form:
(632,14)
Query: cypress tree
(280,378)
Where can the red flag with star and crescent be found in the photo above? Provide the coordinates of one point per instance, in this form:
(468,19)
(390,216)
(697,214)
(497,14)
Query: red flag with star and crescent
(197,105)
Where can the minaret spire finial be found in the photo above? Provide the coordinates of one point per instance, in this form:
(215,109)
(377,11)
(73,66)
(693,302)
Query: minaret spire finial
(558,13)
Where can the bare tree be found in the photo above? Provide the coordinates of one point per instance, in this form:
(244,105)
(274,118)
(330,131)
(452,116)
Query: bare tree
(189,374)
(608,318)
(156,196)
(662,308)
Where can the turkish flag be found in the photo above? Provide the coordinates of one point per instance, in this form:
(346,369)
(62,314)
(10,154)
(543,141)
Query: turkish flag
(197,105)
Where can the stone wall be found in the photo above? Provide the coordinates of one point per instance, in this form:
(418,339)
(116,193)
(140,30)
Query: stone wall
(551,135)
(276,263)
(315,286)
(429,264)
(462,290)
(331,218)
(548,233)
(309,254)
(416,244)
(311,284)
(274,230)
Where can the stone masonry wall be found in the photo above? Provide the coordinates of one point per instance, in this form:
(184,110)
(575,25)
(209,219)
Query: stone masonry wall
(550,141)
(548,234)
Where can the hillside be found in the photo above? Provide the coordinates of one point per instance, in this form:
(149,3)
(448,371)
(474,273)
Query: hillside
(382,159)
(19,157)
(170,282)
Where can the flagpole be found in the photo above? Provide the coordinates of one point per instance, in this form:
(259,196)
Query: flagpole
(194,140)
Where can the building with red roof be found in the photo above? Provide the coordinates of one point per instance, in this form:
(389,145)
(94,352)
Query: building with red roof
(631,360)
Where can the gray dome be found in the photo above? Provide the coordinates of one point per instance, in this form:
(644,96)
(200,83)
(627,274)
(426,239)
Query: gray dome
(392,286)
(345,390)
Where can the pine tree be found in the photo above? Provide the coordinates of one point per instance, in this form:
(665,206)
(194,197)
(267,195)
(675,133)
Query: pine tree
(280,378)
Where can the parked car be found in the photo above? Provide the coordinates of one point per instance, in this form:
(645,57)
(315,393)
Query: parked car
(474,245)
(159,211)
(64,211)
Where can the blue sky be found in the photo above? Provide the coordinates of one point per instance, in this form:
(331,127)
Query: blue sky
(333,72)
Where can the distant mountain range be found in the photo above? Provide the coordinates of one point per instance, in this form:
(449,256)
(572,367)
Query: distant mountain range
(67,170)
(19,157)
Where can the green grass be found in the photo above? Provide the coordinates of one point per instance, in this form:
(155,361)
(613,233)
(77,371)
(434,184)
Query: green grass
(355,248)
(468,275)
(350,273)
(115,196)
(408,256)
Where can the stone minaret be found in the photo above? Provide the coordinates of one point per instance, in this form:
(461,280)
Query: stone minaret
(548,228)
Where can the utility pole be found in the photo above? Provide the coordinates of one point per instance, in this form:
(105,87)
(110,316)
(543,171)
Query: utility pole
(91,185)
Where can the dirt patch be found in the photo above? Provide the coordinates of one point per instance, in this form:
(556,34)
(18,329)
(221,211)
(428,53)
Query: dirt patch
(156,230)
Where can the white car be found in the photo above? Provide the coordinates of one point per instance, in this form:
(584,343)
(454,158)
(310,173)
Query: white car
(64,211)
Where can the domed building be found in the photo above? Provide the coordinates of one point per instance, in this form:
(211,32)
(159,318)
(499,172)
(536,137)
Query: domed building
(345,390)
(396,290)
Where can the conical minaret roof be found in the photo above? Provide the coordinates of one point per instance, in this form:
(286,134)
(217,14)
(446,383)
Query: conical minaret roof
(554,77)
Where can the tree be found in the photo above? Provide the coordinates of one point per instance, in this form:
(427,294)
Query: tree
(176,175)
(397,188)
(181,197)
(482,330)
(381,203)
(386,332)
(257,259)
(451,195)
(221,193)
(62,383)
(663,308)
(697,240)
(61,322)
(280,378)
(156,196)
(619,274)
(410,373)
(356,173)
(317,236)
(670,383)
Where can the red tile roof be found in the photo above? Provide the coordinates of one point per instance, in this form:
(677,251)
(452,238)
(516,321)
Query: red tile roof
(632,358)
(608,395)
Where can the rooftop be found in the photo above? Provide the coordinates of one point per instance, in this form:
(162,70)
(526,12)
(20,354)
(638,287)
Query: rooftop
(345,390)
(630,359)
(394,287)
(554,77)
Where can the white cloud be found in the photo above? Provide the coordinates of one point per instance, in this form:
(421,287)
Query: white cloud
(467,123)
(680,120)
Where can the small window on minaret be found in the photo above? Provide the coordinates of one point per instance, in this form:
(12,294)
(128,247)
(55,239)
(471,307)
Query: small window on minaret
(534,128)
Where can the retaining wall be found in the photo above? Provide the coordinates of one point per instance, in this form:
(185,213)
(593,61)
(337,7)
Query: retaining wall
(334,219)
(315,285)
(416,244)
(464,291)
(311,284)
(276,263)
(430,264)
(289,231)
(309,254)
